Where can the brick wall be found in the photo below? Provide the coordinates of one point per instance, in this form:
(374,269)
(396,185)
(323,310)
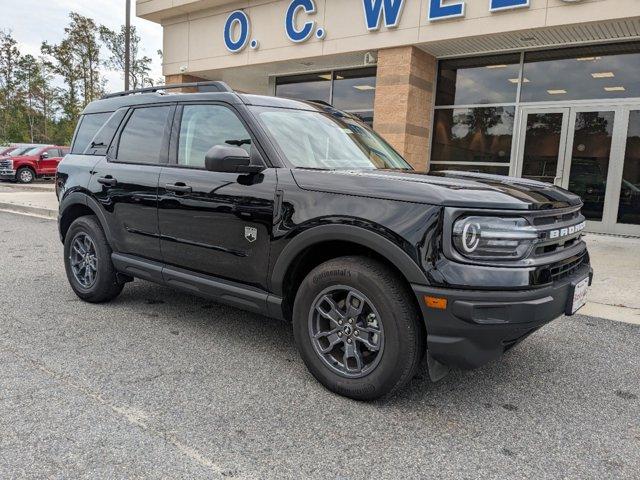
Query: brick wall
(404,101)
(183,78)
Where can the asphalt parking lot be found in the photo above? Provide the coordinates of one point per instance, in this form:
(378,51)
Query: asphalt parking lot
(160,384)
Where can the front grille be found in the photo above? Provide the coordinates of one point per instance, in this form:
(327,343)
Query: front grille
(558,230)
(556,218)
(560,270)
(568,267)
(5,164)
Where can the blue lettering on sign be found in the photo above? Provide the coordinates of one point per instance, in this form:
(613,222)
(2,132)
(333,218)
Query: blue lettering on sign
(239,20)
(437,11)
(293,33)
(374,10)
(497,5)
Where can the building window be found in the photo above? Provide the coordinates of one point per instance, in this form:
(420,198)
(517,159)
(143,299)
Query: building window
(316,87)
(350,90)
(473,139)
(479,81)
(602,72)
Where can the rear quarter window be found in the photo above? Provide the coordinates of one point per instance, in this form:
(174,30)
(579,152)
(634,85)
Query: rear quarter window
(87,129)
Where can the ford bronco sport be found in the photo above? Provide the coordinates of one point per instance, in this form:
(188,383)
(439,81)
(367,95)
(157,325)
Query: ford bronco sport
(301,212)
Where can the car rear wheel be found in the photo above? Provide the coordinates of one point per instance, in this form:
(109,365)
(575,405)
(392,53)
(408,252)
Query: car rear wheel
(357,328)
(87,259)
(25,175)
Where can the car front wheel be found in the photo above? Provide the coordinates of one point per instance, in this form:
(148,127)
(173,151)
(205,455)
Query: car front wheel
(357,328)
(25,175)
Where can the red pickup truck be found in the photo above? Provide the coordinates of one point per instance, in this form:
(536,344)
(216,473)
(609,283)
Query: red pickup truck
(40,161)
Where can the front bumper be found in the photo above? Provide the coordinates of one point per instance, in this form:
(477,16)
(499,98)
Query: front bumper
(479,326)
(7,174)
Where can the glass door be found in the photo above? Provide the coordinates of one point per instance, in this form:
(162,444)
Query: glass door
(624,186)
(593,143)
(542,144)
(592,151)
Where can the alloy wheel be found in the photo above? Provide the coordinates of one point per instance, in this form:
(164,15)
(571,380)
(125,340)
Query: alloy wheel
(84,260)
(26,176)
(346,331)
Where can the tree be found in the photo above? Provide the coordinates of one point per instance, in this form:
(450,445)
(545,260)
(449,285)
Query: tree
(30,84)
(10,114)
(82,34)
(140,67)
(37,97)
(60,60)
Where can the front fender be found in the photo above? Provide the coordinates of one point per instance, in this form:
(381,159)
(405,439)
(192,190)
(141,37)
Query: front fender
(349,233)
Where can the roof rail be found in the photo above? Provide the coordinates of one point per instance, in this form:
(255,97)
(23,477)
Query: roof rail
(220,87)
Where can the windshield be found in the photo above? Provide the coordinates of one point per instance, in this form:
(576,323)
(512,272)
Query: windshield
(322,141)
(18,151)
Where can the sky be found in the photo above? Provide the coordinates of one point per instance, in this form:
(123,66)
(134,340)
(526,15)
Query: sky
(33,21)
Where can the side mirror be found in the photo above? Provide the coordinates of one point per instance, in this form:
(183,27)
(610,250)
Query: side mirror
(230,159)
(44,156)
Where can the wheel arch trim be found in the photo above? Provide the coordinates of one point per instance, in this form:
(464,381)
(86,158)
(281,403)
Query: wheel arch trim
(348,233)
(79,198)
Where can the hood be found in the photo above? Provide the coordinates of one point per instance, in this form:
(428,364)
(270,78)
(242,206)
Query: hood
(449,189)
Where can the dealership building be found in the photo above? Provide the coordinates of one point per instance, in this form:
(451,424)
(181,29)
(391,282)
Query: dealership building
(541,89)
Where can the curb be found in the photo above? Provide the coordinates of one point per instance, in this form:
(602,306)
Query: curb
(31,188)
(616,313)
(28,210)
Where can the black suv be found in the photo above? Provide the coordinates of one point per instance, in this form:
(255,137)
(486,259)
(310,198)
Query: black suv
(301,212)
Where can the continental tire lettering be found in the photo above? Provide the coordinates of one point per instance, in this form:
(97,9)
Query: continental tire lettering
(331,273)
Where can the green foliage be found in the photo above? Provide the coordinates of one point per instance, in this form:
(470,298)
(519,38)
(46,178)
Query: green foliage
(140,67)
(42,98)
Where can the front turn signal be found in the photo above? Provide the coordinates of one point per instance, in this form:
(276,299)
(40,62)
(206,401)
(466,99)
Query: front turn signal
(435,302)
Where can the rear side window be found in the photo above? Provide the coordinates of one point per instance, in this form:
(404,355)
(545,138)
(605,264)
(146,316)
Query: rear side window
(88,127)
(103,138)
(205,126)
(143,136)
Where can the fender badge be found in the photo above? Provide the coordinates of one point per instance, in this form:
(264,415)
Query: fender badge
(251,234)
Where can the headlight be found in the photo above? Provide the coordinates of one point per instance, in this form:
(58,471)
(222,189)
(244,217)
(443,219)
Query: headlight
(487,238)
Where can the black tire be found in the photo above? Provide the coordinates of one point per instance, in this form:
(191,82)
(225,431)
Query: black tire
(401,345)
(25,175)
(105,285)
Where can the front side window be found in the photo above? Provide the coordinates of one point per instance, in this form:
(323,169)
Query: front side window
(310,139)
(53,153)
(205,126)
(143,136)
(32,151)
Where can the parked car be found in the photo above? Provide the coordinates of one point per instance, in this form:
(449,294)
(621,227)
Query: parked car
(301,212)
(6,149)
(32,163)
(16,150)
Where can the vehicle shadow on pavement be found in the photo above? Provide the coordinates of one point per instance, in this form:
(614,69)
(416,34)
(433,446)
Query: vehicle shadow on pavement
(563,352)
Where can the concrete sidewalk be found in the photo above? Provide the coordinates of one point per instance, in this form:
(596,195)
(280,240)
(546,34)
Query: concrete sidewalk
(37,199)
(615,294)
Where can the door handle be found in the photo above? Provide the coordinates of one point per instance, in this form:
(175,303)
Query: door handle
(108,181)
(178,188)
